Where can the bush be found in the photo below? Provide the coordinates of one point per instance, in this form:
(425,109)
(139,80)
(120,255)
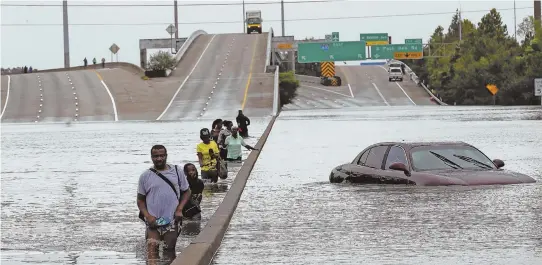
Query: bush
(161,61)
(288,85)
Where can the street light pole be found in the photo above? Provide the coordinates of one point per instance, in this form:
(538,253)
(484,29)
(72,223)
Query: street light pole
(176,14)
(282,15)
(66,34)
(515,22)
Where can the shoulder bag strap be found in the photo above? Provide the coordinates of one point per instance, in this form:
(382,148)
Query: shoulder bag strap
(165,179)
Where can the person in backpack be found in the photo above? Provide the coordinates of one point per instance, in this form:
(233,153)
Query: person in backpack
(242,122)
(159,202)
(216,128)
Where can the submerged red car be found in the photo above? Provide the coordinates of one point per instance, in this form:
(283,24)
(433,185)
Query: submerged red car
(425,164)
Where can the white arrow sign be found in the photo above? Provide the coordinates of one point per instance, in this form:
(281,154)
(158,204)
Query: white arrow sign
(377,55)
(331,57)
(360,56)
(304,58)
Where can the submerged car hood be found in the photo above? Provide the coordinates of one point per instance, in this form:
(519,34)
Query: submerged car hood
(484,177)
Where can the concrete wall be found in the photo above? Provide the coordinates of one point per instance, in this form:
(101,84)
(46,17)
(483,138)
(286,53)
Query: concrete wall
(203,248)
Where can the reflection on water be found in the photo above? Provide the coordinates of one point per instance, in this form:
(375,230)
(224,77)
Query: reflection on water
(289,213)
(69,193)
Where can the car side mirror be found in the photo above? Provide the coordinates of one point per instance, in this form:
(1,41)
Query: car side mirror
(401,167)
(498,163)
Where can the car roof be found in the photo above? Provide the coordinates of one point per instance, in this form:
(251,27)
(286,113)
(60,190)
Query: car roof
(410,145)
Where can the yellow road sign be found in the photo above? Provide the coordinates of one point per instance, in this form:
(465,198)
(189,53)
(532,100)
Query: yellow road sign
(407,55)
(376,42)
(493,89)
(284,46)
(327,69)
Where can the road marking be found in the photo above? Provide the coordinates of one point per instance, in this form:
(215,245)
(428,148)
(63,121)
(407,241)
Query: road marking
(110,96)
(350,88)
(382,96)
(405,93)
(7,98)
(323,89)
(249,74)
(188,76)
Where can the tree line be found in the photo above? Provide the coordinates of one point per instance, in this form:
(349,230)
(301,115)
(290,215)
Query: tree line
(486,55)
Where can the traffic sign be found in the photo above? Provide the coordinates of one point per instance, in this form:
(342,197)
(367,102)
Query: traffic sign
(335,36)
(388,51)
(493,89)
(413,41)
(285,46)
(114,48)
(374,38)
(407,55)
(327,69)
(538,87)
(328,37)
(171,29)
(312,52)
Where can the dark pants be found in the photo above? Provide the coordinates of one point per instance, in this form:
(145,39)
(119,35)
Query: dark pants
(223,153)
(243,132)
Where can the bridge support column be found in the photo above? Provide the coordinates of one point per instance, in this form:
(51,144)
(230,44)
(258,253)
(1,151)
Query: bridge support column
(143,58)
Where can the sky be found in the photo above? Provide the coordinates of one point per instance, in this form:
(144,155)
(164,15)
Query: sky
(33,35)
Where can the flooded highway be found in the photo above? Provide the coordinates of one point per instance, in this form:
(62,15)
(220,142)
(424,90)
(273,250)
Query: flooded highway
(69,193)
(289,213)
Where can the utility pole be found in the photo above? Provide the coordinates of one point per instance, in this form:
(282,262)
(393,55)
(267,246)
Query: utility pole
(515,23)
(176,14)
(460,24)
(244,18)
(537,10)
(66,34)
(282,15)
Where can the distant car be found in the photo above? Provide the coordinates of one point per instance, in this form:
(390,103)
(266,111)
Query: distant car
(395,73)
(425,164)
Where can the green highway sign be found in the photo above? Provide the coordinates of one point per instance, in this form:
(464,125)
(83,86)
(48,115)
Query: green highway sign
(374,38)
(413,41)
(388,51)
(313,52)
(335,36)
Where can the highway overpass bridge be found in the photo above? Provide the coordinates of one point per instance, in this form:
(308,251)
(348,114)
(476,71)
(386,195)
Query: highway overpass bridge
(216,75)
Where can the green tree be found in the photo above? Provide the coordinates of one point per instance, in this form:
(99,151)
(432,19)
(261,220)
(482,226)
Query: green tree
(161,60)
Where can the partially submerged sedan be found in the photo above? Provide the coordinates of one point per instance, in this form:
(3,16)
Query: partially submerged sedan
(425,164)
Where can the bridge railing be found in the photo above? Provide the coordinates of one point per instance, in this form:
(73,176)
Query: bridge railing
(186,44)
(416,79)
(268,49)
(276,98)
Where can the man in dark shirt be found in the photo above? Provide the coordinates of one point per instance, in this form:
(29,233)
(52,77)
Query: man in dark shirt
(243,122)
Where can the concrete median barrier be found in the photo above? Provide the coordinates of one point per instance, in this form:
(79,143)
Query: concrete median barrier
(203,248)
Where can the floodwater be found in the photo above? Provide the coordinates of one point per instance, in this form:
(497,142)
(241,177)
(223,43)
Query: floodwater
(69,193)
(289,213)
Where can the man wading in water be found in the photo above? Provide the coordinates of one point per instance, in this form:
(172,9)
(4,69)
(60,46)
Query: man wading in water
(159,204)
(243,122)
(207,152)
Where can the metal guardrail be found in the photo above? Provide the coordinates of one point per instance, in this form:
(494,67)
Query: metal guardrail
(276,98)
(186,44)
(268,49)
(415,78)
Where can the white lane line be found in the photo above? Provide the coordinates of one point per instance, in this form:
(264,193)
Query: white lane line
(382,96)
(323,89)
(188,76)
(405,93)
(350,88)
(7,98)
(112,101)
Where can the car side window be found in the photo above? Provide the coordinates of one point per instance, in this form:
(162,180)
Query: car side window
(396,154)
(376,156)
(363,158)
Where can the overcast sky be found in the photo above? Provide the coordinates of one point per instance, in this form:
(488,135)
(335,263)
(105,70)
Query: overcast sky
(33,35)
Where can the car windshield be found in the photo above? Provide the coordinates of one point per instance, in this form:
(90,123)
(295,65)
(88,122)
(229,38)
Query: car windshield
(395,65)
(253,20)
(395,70)
(449,157)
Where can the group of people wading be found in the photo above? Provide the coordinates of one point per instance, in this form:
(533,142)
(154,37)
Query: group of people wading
(168,193)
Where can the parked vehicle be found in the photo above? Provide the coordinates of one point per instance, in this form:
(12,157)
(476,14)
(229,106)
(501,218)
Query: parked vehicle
(425,164)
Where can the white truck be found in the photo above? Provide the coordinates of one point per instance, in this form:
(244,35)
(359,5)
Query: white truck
(395,73)
(254,21)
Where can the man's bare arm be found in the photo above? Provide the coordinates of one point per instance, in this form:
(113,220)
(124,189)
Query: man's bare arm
(142,204)
(184,199)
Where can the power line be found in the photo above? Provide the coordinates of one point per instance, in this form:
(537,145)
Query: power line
(237,21)
(171,5)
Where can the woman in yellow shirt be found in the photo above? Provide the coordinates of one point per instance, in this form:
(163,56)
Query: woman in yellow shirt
(207,154)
